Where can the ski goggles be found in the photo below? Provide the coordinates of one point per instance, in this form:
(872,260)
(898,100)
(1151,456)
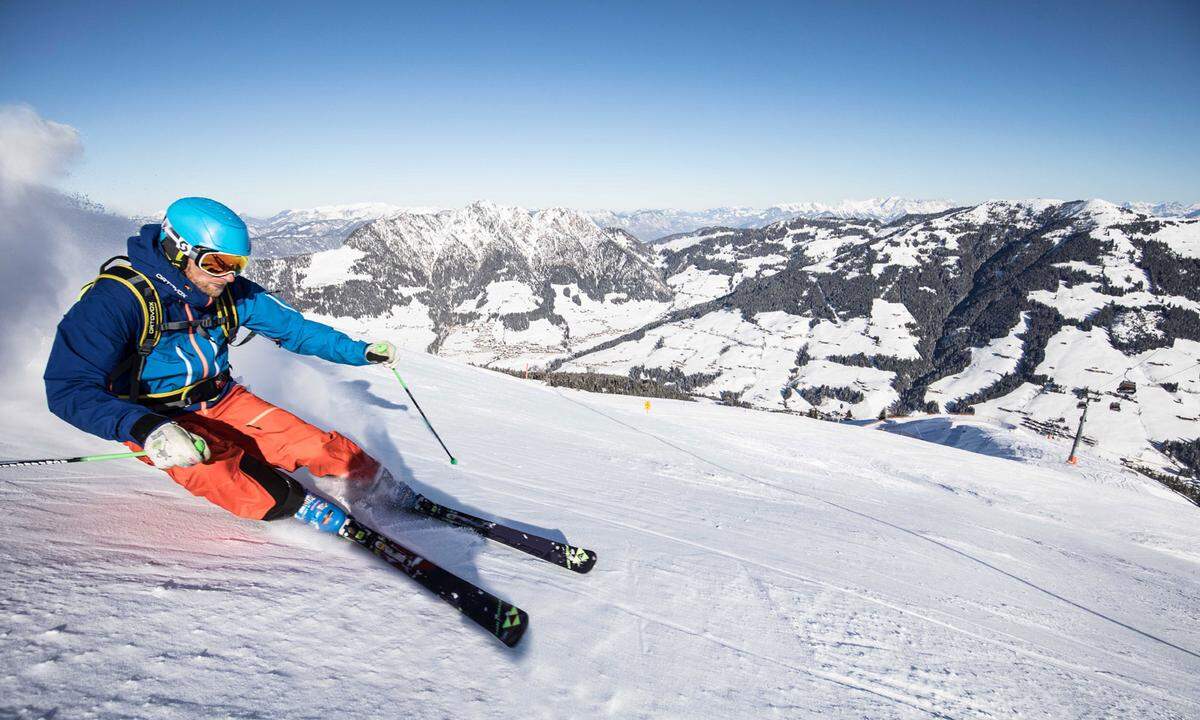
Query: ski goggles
(218,263)
(213,262)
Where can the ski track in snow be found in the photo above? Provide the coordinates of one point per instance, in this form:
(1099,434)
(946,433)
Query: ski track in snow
(1066,666)
(751,565)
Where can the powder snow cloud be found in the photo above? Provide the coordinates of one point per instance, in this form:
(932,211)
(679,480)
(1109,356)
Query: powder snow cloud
(33,150)
(50,244)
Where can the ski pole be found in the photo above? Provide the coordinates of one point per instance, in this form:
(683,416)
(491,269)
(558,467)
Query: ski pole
(62,461)
(198,442)
(453,460)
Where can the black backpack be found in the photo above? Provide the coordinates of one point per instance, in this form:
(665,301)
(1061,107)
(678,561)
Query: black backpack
(118,269)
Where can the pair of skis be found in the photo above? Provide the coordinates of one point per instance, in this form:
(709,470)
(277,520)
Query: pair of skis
(505,621)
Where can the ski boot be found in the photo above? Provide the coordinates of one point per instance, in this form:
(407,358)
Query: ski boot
(383,499)
(321,514)
(386,493)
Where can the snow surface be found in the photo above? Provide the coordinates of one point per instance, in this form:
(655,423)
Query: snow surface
(1184,239)
(333,267)
(756,358)
(988,364)
(752,564)
(502,298)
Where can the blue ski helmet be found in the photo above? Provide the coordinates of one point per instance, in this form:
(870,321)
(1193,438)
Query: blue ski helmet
(204,223)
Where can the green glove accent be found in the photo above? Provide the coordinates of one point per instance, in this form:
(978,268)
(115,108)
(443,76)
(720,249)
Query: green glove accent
(383,353)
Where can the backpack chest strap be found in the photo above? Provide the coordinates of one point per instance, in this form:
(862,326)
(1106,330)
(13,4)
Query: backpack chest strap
(202,323)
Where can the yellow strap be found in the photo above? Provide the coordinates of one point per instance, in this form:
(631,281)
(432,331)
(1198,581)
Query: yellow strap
(233,309)
(153,328)
(181,392)
(141,301)
(227,308)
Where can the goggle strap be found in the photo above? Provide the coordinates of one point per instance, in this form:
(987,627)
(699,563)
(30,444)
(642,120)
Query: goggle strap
(184,249)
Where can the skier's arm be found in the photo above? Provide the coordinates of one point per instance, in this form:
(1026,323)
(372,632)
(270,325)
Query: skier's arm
(265,314)
(95,335)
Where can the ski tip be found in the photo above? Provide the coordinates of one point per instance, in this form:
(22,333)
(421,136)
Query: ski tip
(581,560)
(512,629)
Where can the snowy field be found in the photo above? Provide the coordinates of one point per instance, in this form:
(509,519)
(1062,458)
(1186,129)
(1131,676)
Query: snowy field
(751,565)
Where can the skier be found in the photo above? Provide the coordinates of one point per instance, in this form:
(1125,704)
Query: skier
(142,358)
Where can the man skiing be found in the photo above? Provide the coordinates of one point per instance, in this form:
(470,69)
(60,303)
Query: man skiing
(142,358)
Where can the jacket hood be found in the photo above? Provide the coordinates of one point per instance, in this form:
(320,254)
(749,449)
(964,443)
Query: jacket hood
(146,256)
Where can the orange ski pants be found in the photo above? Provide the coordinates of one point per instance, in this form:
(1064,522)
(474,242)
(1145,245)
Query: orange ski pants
(248,438)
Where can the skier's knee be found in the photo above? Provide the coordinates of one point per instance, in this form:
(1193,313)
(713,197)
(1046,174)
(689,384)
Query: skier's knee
(283,489)
(287,505)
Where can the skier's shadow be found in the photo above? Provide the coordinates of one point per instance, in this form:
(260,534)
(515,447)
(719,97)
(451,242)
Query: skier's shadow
(361,391)
(452,548)
(384,449)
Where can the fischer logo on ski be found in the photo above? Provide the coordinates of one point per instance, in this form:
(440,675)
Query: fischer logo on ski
(502,619)
(576,556)
(577,559)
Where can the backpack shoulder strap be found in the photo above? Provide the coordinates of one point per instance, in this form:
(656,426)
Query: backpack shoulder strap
(227,314)
(148,300)
(103,268)
(119,270)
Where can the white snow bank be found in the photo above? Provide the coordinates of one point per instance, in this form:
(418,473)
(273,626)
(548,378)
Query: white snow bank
(333,267)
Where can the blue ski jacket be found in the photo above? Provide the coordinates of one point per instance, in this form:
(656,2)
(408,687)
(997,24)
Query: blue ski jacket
(101,330)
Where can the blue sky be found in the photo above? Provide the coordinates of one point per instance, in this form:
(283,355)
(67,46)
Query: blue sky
(588,104)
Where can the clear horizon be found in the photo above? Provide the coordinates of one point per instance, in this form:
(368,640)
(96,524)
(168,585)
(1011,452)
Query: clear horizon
(688,106)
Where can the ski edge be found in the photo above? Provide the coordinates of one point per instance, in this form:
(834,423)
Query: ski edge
(503,620)
(572,557)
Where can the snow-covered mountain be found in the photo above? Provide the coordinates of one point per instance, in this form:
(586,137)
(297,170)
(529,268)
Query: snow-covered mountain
(996,307)
(652,225)
(487,283)
(299,231)
(999,307)
(294,232)
(1164,209)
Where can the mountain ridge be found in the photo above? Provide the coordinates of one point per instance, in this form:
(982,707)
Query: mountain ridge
(945,310)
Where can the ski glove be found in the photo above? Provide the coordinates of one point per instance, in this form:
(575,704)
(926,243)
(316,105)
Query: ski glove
(383,353)
(172,446)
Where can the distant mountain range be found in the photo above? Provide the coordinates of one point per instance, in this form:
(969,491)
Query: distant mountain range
(655,225)
(1164,209)
(1000,307)
(293,232)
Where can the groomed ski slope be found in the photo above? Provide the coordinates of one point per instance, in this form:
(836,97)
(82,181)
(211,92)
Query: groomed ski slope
(751,565)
